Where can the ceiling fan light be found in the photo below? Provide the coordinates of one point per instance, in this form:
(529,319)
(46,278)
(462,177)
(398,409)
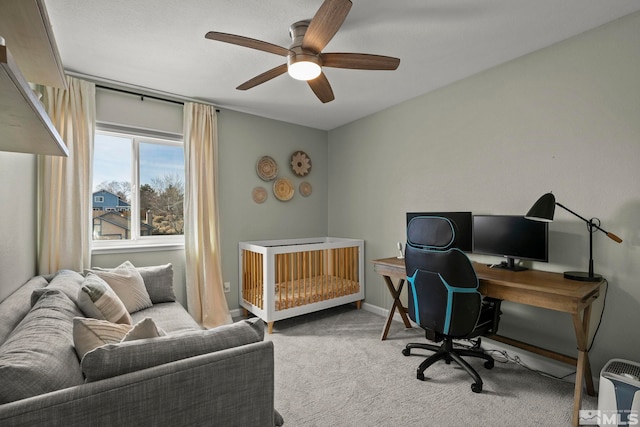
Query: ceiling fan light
(304,69)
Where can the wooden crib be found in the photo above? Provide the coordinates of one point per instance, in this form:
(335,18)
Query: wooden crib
(285,278)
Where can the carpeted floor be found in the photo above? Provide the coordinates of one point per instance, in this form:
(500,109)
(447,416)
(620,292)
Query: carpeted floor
(331,369)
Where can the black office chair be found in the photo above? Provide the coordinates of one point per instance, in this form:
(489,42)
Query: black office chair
(443,296)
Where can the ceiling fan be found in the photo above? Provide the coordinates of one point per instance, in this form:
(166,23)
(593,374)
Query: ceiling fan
(305,58)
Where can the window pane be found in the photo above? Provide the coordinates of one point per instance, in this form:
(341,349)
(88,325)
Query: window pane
(161,189)
(112,188)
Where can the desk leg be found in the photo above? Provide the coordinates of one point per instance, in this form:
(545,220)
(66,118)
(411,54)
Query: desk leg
(583,367)
(395,293)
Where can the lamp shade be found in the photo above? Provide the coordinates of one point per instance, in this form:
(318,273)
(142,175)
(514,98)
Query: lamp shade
(543,209)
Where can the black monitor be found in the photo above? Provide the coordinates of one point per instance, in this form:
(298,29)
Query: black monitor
(462,222)
(512,237)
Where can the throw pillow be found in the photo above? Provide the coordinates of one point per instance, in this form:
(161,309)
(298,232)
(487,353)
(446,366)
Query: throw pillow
(127,283)
(38,357)
(117,359)
(92,333)
(96,299)
(159,282)
(146,328)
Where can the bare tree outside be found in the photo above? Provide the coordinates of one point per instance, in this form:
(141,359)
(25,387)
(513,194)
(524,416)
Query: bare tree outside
(162,201)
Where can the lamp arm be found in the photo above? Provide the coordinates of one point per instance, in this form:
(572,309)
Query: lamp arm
(610,235)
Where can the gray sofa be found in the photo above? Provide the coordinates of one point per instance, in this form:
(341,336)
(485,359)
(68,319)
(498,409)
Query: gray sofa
(188,377)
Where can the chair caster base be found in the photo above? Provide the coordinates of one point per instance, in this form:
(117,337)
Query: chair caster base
(406,352)
(420,376)
(476,387)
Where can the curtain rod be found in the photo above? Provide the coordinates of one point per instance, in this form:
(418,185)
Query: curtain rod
(142,95)
(135,90)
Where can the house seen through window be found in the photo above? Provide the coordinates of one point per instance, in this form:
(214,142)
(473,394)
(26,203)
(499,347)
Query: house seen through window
(138,187)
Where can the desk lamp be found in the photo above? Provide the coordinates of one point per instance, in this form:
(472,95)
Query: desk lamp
(543,210)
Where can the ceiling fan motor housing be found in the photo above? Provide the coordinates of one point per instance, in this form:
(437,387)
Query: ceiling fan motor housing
(302,64)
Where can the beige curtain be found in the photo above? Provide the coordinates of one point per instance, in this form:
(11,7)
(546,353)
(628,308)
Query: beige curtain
(64,183)
(205,295)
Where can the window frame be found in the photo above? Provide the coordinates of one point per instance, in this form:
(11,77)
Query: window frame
(137,243)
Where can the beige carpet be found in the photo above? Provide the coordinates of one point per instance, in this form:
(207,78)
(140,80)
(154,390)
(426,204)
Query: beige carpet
(331,369)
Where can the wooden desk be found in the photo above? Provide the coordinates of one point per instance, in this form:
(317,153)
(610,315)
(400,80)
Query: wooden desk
(531,287)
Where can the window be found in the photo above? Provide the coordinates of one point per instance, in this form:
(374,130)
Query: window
(138,189)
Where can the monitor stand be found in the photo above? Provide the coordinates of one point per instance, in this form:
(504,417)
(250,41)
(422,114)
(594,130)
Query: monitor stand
(510,264)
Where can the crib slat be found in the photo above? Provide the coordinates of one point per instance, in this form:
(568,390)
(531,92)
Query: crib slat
(343,284)
(313,289)
(298,278)
(303,267)
(256,271)
(278,281)
(250,269)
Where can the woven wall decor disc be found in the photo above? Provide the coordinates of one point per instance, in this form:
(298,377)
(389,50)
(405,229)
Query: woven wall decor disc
(305,188)
(300,163)
(259,194)
(283,189)
(267,168)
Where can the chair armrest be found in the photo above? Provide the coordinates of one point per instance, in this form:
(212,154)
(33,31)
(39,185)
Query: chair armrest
(231,387)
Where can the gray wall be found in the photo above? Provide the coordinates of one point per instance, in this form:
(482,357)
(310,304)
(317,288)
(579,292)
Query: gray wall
(566,118)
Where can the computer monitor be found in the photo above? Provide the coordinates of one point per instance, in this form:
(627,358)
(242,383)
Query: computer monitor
(512,237)
(462,222)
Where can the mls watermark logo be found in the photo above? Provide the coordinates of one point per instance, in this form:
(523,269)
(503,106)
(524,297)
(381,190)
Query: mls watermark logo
(594,417)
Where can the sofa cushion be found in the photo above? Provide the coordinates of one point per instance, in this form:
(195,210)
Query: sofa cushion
(91,333)
(116,359)
(127,283)
(96,299)
(170,316)
(158,280)
(66,281)
(38,357)
(14,307)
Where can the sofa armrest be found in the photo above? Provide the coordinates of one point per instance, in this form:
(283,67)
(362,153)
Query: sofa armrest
(231,387)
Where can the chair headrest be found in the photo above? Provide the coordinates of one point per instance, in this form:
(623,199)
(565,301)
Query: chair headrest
(433,232)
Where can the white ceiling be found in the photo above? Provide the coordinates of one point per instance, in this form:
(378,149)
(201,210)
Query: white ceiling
(160,44)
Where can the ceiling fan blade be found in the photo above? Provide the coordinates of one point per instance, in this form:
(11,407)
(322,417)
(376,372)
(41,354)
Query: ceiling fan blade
(325,24)
(264,77)
(321,87)
(359,61)
(247,42)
